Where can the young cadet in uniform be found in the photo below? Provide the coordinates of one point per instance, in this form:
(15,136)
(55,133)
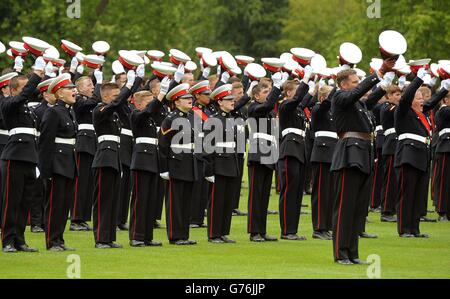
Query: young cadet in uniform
(412,158)
(351,162)
(262,156)
(442,182)
(292,159)
(201,111)
(325,139)
(57,163)
(389,188)
(225,166)
(144,168)
(107,164)
(86,100)
(178,165)
(19,159)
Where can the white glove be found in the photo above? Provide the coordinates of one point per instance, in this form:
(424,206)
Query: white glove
(446,84)
(331,82)
(73,65)
(18,64)
(225,77)
(219,69)
(250,89)
(284,77)
(427,79)
(308,70)
(322,83)
(179,73)
(49,71)
(98,74)
(113,79)
(164,88)
(39,64)
(206,71)
(401,82)
(140,71)
(60,70)
(387,80)
(312,87)
(131,77)
(80,69)
(165,175)
(201,65)
(210,179)
(277,80)
(421,73)
(38,173)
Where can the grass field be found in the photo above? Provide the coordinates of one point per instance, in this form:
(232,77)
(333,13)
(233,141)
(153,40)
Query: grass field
(400,258)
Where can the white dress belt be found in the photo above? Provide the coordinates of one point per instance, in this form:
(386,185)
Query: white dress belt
(158,129)
(20,130)
(415,137)
(230,144)
(147,140)
(379,128)
(126,132)
(113,138)
(86,127)
(326,134)
(389,131)
(4,132)
(264,136)
(444,131)
(183,146)
(69,141)
(293,130)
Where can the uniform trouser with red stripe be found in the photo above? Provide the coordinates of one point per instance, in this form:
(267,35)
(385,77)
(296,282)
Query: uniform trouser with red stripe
(59,202)
(38,204)
(237,189)
(442,184)
(178,208)
(106,199)
(160,192)
(413,185)
(220,206)
(322,197)
(291,174)
(389,190)
(377,180)
(125,195)
(84,188)
(424,202)
(17,184)
(200,194)
(143,205)
(433,174)
(2,146)
(352,192)
(260,182)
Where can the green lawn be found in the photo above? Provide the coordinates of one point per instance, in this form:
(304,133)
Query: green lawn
(400,258)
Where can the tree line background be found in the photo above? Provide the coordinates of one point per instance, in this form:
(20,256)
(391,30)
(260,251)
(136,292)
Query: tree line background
(259,28)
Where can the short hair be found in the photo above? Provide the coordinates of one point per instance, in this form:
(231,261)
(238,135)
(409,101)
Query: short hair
(344,75)
(261,85)
(234,79)
(324,91)
(153,84)
(107,87)
(425,91)
(237,85)
(266,81)
(80,81)
(14,82)
(393,89)
(290,85)
(140,95)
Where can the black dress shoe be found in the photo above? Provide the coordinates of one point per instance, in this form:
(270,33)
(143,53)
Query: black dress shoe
(344,262)
(304,213)
(9,249)
(406,235)
(443,219)
(102,246)
(237,212)
(388,218)
(156,224)
(85,225)
(367,235)
(304,205)
(293,237)
(257,238)
(136,243)
(67,248)
(179,242)
(359,262)
(123,227)
(426,219)
(421,236)
(226,240)
(56,248)
(191,242)
(269,212)
(269,238)
(26,248)
(153,243)
(321,235)
(216,240)
(115,245)
(193,225)
(76,227)
(36,229)
(375,210)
